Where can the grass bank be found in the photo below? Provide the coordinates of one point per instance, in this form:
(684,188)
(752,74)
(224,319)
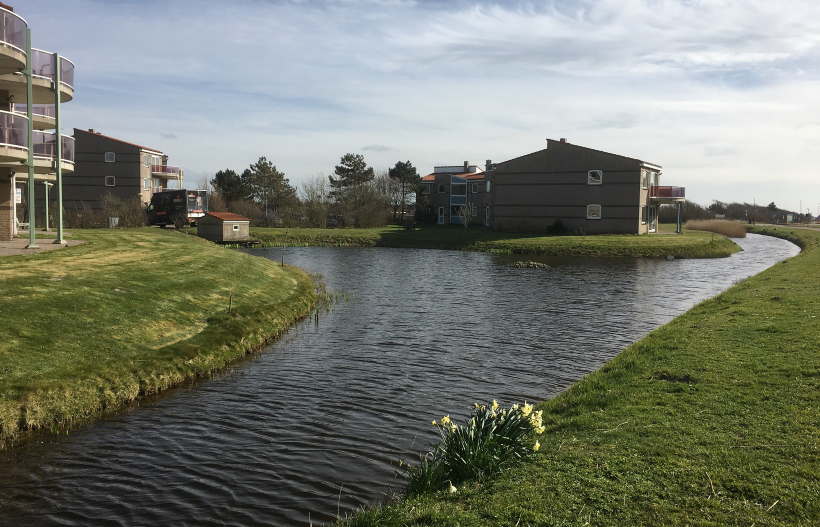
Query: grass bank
(712,419)
(129,312)
(691,244)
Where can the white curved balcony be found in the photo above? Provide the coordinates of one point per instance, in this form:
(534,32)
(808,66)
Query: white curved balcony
(45,152)
(44,116)
(12,42)
(13,138)
(42,79)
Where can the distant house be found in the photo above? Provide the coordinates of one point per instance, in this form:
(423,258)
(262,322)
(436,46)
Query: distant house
(221,227)
(105,164)
(586,190)
(449,188)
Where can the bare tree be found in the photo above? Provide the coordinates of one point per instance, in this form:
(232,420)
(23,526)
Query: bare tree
(465,215)
(315,196)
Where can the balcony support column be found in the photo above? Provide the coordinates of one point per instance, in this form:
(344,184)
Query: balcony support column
(680,218)
(30,163)
(59,149)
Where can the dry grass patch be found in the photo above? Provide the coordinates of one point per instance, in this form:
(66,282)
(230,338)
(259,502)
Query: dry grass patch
(727,228)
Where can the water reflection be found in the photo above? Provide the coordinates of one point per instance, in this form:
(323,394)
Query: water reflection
(321,418)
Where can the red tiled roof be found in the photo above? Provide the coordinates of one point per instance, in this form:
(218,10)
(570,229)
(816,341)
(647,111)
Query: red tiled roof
(468,175)
(429,177)
(120,141)
(227,216)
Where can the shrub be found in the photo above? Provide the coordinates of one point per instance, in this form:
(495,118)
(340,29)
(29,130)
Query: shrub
(724,227)
(491,440)
(557,227)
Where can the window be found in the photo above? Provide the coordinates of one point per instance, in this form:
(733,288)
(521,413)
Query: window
(425,189)
(442,188)
(593,212)
(145,160)
(145,184)
(595,177)
(645,178)
(109,181)
(488,186)
(643,215)
(156,160)
(458,190)
(236,227)
(474,190)
(109,157)
(474,212)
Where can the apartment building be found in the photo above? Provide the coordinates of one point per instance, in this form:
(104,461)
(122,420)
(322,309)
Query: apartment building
(449,188)
(588,190)
(107,165)
(50,81)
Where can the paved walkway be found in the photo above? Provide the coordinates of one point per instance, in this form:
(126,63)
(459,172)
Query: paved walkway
(18,245)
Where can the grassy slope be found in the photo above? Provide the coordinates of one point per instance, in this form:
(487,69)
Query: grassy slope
(713,419)
(693,244)
(129,312)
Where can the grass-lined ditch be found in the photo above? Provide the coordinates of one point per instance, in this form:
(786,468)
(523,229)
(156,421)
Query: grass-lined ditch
(712,419)
(130,312)
(691,244)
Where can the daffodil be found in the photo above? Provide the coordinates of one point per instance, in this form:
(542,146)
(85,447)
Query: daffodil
(453,490)
(537,446)
(495,404)
(434,422)
(526,409)
(445,420)
(540,430)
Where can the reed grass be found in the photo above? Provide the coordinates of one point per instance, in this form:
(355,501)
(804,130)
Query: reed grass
(727,228)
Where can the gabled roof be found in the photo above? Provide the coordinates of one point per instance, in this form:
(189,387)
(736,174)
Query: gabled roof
(227,216)
(564,143)
(468,175)
(153,150)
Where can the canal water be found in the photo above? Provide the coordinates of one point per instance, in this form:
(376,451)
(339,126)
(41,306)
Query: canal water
(314,427)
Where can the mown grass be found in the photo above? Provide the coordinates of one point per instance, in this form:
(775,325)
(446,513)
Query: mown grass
(713,419)
(691,244)
(129,312)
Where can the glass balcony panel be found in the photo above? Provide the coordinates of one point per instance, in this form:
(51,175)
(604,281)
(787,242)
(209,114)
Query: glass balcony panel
(667,192)
(66,71)
(164,169)
(42,65)
(44,110)
(13,129)
(14,30)
(45,145)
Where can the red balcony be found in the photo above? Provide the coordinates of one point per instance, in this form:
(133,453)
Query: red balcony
(667,193)
(165,170)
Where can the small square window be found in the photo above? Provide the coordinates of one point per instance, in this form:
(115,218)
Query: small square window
(442,188)
(109,181)
(109,157)
(474,188)
(595,177)
(593,212)
(425,189)
(236,227)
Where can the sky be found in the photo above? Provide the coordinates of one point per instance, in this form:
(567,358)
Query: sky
(723,94)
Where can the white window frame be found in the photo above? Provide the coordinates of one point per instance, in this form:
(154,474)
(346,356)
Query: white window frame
(113,181)
(474,188)
(442,188)
(474,211)
(426,189)
(146,184)
(644,214)
(145,160)
(594,175)
(110,157)
(488,186)
(645,179)
(592,216)
(236,227)
(441,212)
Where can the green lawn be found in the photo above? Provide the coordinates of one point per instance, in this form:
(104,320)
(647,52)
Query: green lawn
(129,312)
(713,419)
(691,244)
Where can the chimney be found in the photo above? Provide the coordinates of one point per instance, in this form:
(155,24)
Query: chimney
(563,139)
(92,130)
(466,166)
(488,165)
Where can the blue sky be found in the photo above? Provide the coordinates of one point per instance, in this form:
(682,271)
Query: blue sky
(723,94)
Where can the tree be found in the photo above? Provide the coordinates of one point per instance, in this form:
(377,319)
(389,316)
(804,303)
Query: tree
(352,171)
(465,215)
(772,207)
(408,178)
(230,185)
(269,187)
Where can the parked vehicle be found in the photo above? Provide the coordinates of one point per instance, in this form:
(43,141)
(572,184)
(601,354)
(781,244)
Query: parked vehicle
(177,207)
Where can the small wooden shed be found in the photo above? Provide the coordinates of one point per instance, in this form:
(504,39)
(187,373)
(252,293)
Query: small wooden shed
(224,227)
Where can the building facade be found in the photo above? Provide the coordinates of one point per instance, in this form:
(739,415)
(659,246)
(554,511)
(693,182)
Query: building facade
(49,84)
(586,190)
(106,165)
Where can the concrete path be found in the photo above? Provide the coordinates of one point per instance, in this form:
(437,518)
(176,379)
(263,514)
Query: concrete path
(18,245)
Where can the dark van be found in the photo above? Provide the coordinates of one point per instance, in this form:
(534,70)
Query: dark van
(177,207)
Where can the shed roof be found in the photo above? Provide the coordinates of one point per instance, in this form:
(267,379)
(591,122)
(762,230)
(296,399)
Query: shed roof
(227,216)
(94,132)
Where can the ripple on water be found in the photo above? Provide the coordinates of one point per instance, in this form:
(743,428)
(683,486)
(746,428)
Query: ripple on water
(320,419)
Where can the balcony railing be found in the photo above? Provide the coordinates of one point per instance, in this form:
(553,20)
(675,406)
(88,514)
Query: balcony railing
(45,145)
(39,110)
(13,32)
(42,65)
(165,169)
(667,192)
(13,130)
